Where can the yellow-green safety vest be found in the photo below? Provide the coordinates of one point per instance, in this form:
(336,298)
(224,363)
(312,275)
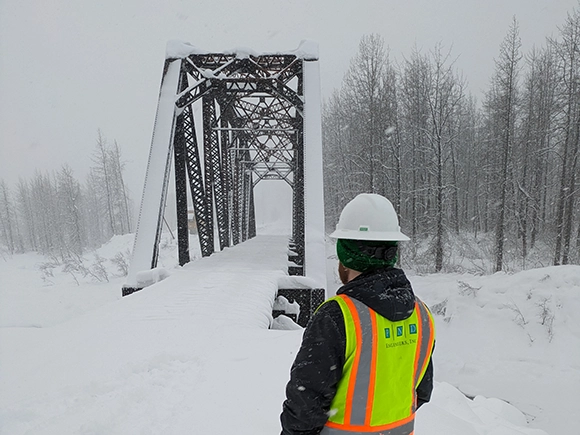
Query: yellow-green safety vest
(384,363)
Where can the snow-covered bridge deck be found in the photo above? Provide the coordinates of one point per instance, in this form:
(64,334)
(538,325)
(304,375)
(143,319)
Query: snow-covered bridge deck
(237,285)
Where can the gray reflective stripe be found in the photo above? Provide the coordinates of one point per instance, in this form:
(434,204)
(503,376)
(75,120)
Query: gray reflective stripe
(363,374)
(405,429)
(424,335)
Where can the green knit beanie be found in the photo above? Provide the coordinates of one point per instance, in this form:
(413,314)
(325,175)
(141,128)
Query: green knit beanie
(351,255)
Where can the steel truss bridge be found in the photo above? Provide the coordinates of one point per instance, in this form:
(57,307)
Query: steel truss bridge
(228,121)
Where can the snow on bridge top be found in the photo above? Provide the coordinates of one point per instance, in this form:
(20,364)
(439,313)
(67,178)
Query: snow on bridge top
(307,50)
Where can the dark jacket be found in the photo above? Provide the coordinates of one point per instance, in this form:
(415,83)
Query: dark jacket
(318,365)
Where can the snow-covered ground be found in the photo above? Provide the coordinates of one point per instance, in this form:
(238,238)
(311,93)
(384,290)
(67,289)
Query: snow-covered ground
(514,337)
(193,353)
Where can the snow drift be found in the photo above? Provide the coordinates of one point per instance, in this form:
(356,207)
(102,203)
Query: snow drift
(193,353)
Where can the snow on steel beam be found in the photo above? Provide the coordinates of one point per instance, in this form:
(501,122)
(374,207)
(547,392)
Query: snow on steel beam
(307,50)
(315,255)
(145,247)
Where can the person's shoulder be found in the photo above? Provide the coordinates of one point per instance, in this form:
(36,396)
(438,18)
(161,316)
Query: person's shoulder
(328,307)
(327,320)
(329,311)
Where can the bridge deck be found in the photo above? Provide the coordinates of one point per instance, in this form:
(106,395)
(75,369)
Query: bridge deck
(237,286)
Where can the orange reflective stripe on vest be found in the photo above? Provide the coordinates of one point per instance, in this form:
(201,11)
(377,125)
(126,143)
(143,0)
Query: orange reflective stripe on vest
(426,342)
(384,363)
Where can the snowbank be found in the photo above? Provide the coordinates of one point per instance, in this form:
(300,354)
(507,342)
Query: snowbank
(451,413)
(178,356)
(516,337)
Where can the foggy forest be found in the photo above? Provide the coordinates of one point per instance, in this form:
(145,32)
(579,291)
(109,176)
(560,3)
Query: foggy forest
(500,176)
(495,181)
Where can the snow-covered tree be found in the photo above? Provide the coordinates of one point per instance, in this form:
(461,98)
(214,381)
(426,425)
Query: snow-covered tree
(109,189)
(567,51)
(415,88)
(444,101)
(502,107)
(8,222)
(70,207)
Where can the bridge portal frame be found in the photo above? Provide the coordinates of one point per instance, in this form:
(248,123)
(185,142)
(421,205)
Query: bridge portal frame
(254,126)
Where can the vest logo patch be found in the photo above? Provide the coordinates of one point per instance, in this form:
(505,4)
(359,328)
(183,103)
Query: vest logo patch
(400,336)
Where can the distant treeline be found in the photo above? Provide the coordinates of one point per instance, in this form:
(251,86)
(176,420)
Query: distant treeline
(506,169)
(55,214)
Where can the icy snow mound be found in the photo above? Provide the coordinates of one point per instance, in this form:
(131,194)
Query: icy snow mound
(451,413)
(516,337)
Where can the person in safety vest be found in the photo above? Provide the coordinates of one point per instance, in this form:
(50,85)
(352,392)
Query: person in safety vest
(364,366)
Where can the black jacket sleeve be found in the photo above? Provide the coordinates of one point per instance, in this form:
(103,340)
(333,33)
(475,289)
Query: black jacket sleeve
(315,373)
(425,387)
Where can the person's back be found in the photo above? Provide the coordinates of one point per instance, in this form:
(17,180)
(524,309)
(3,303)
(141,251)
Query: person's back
(365,361)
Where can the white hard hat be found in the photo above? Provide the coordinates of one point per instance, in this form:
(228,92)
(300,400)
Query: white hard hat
(369,217)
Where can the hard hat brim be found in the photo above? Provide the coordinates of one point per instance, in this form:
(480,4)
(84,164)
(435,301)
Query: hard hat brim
(387,236)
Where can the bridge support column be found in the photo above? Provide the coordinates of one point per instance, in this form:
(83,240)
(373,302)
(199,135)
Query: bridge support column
(148,232)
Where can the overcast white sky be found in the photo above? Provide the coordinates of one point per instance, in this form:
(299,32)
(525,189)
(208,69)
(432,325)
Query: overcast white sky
(68,68)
